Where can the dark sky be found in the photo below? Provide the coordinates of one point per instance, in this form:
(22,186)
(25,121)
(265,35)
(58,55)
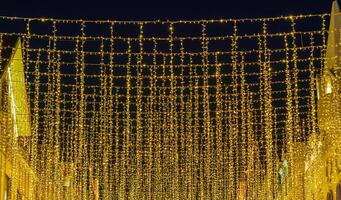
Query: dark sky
(162,9)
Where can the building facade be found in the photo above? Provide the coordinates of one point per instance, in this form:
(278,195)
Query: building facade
(315,172)
(18,180)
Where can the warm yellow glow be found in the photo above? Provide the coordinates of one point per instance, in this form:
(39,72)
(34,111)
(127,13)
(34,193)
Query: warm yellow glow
(328,87)
(13,106)
(193,113)
(17,93)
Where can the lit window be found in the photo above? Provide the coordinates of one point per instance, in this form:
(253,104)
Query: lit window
(338,192)
(7,189)
(328,87)
(19,196)
(330,195)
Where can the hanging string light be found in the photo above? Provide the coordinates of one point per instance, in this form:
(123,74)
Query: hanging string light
(187,115)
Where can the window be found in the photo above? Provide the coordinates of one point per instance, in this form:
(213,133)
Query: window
(330,195)
(19,196)
(338,191)
(7,189)
(328,83)
(329,88)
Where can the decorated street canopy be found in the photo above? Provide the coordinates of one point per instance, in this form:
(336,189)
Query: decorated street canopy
(207,109)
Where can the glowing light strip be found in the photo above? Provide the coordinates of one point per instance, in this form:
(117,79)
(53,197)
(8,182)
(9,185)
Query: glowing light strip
(10,89)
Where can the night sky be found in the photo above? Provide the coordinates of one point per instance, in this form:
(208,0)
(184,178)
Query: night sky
(171,9)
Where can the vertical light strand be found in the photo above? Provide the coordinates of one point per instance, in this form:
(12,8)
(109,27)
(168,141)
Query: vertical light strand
(103,131)
(259,171)
(32,142)
(182,127)
(289,109)
(207,148)
(235,116)
(35,119)
(52,124)
(312,75)
(58,128)
(150,141)
(295,78)
(81,154)
(219,158)
(75,119)
(196,149)
(268,111)
(113,168)
(156,120)
(225,134)
(152,135)
(250,170)
(47,125)
(57,114)
(124,184)
(119,121)
(139,129)
(35,113)
(26,54)
(324,42)
(262,140)
(165,134)
(190,156)
(74,122)
(230,156)
(93,138)
(243,129)
(173,148)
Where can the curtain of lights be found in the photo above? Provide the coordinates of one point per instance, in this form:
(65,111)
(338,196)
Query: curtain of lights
(206,109)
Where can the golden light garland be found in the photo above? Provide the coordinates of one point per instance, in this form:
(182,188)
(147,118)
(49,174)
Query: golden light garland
(165,109)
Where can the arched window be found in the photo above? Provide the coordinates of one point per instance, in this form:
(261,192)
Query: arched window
(328,87)
(330,196)
(338,191)
(328,82)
